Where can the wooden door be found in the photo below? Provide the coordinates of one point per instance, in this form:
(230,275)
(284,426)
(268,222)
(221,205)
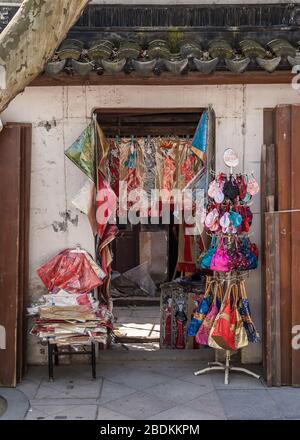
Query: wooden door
(126,249)
(14,196)
(281,226)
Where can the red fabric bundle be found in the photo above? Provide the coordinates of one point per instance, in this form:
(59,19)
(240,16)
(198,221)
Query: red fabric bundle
(69,270)
(225,324)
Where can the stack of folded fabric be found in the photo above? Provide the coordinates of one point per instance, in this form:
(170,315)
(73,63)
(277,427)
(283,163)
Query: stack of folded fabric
(68,314)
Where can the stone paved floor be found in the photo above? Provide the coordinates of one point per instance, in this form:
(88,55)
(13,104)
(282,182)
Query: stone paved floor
(153,391)
(140,322)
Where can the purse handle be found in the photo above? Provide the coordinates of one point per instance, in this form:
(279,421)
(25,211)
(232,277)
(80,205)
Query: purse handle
(229,291)
(243,289)
(209,283)
(218,292)
(236,295)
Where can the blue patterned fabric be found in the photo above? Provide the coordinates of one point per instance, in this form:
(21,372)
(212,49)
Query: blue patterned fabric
(200,140)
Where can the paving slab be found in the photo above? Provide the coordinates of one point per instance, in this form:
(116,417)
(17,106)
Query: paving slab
(238,381)
(69,388)
(63,402)
(249,405)
(208,403)
(107,414)
(139,379)
(112,391)
(288,400)
(66,412)
(29,387)
(139,405)
(17,404)
(185,414)
(202,380)
(177,390)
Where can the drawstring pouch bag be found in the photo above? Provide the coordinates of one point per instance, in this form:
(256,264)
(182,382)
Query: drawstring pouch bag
(201,312)
(245,313)
(220,260)
(213,188)
(204,330)
(237,260)
(225,220)
(223,330)
(219,197)
(247,198)
(242,186)
(254,249)
(206,259)
(247,218)
(252,186)
(230,189)
(211,218)
(235,218)
(251,258)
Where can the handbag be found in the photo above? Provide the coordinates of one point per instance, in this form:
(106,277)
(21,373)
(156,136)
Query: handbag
(230,189)
(201,312)
(245,313)
(223,330)
(235,218)
(204,330)
(241,339)
(251,258)
(242,186)
(254,249)
(207,256)
(252,186)
(220,259)
(237,260)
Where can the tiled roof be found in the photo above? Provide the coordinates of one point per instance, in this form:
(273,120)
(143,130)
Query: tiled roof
(149,40)
(177,53)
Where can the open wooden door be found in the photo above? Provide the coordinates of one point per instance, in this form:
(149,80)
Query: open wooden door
(281,231)
(15,148)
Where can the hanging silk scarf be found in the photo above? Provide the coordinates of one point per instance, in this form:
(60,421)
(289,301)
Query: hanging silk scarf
(103,151)
(81,152)
(148,147)
(186,251)
(189,163)
(106,204)
(204,134)
(114,165)
(131,163)
(166,159)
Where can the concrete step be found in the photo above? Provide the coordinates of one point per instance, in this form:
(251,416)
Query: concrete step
(137,301)
(151,352)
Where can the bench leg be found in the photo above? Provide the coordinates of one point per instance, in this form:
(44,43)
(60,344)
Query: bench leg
(50,361)
(56,361)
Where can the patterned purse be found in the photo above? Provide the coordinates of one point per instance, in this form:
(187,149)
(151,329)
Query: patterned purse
(206,259)
(223,330)
(204,330)
(241,339)
(201,312)
(245,313)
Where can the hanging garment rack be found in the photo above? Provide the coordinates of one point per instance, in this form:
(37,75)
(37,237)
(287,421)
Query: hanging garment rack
(220,366)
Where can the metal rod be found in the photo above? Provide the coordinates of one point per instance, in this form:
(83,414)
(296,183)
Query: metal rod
(50,362)
(93,360)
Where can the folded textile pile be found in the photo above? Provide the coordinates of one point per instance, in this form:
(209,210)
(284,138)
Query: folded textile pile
(69,314)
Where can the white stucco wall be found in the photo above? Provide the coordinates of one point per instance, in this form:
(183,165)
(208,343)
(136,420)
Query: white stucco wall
(59,114)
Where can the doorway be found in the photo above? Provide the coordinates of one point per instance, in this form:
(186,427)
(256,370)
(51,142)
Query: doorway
(138,313)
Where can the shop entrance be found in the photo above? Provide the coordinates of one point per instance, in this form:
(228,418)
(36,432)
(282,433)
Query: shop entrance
(137,312)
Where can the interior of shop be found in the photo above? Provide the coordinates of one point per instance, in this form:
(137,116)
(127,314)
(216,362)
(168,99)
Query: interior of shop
(137,315)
